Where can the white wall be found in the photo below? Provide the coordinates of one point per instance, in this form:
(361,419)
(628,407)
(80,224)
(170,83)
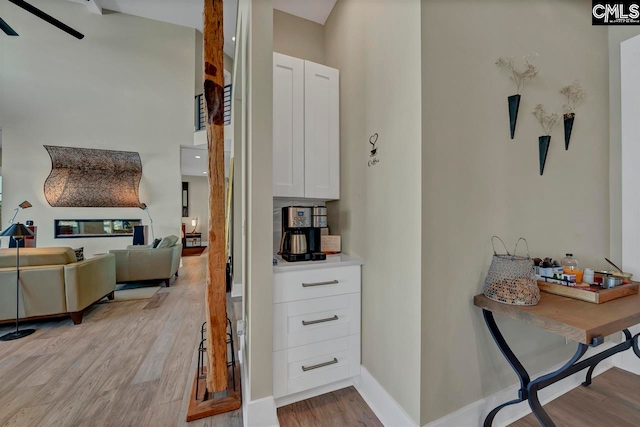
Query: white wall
(477,182)
(617,34)
(376,47)
(258,289)
(198,205)
(298,37)
(128,85)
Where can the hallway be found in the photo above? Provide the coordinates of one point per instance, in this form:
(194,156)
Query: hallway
(130,363)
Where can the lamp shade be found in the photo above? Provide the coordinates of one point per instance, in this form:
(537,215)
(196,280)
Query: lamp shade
(194,222)
(17,230)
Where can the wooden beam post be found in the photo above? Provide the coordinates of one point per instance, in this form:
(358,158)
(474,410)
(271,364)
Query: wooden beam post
(216,297)
(222,395)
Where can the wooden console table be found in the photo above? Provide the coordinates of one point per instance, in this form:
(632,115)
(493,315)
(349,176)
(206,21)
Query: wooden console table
(192,240)
(584,322)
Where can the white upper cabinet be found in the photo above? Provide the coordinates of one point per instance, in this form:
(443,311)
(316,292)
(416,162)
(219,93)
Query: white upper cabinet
(288,126)
(306,133)
(321,132)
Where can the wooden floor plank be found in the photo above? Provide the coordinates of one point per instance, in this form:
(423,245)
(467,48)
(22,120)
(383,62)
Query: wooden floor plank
(27,416)
(343,407)
(129,363)
(156,300)
(611,400)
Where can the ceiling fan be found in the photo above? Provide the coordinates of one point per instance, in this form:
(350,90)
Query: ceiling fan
(40,14)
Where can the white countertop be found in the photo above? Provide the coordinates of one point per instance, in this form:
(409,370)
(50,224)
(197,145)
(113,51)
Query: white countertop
(339,260)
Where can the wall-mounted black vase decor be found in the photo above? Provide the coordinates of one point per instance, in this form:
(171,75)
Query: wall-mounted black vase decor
(514,105)
(568,126)
(543,147)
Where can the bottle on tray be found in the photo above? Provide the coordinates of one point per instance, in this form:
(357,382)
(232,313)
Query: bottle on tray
(570,267)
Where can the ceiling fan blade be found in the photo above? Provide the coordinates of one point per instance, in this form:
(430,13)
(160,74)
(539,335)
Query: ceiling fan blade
(48,18)
(7,29)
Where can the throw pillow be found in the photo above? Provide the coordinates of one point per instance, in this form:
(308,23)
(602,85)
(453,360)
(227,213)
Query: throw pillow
(79,254)
(155,243)
(168,241)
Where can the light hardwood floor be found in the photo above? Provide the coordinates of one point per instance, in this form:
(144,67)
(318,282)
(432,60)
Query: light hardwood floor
(340,408)
(125,365)
(612,400)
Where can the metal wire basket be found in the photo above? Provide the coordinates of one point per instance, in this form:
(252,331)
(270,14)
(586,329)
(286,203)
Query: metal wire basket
(511,279)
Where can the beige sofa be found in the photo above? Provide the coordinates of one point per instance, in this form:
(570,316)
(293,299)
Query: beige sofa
(53,283)
(138,263)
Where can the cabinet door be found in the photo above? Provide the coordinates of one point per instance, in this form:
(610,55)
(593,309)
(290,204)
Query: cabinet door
(288,126)
(321,132)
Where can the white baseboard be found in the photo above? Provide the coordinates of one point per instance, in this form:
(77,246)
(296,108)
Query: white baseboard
(261,413)
(255,413)
(381,403)
(473,415)
(317,391)
(236,290)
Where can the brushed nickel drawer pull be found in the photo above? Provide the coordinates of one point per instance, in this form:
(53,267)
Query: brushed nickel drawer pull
(330,282)
(319,365)
(313,322)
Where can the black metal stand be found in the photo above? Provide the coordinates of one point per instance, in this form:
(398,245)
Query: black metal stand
(202,349)
(17,333)
(529,389)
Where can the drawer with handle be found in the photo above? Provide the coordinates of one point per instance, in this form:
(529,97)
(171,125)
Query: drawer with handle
(313,365)
(304,322)
(315,283)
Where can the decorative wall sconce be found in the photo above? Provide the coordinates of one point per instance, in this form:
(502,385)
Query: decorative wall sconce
(518,77)
(547,121)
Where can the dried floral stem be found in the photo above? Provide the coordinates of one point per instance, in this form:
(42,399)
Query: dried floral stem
(575,96)
(518,77)
(547,121)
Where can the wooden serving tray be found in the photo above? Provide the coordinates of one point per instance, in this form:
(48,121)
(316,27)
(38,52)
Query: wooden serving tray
(592,294)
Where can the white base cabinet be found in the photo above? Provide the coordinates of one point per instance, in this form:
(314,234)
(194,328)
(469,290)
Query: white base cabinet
(316,329)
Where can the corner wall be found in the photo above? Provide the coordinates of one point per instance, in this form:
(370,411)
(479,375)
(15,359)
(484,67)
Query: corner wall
(376,47)
(617,34)
(477,182)
(298,37)
(260,201)
(128,85)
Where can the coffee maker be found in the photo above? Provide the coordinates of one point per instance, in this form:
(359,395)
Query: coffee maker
(318,222)
(301,233)
(296,224)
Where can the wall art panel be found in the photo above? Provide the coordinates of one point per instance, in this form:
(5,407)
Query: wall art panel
(84,177)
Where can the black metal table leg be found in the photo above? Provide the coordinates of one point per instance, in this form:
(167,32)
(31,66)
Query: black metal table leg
(634,344)
(537,409)
(548,379)
(587,381)
(529,389)
(506,351)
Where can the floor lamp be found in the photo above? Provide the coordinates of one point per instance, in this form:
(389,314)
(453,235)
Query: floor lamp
(145,208)
(18,232)
(23,205)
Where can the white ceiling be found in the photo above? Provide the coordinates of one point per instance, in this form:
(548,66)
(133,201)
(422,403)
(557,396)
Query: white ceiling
(192,166)
(313,10)
(187,13)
